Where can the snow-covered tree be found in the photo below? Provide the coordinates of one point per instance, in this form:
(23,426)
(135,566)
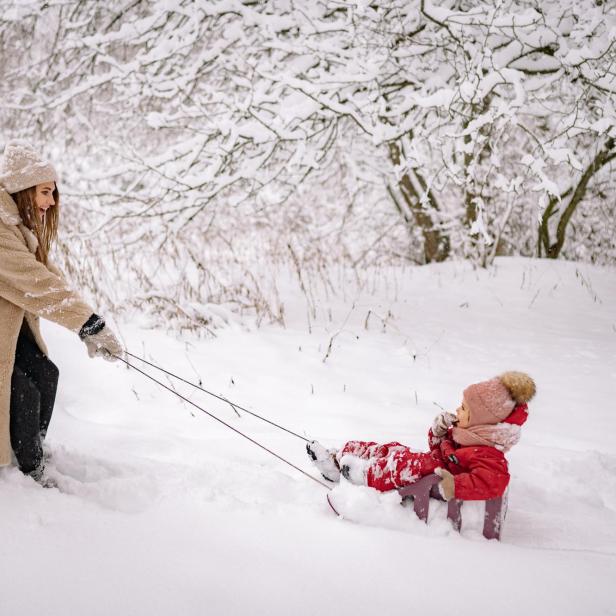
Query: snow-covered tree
(420,130)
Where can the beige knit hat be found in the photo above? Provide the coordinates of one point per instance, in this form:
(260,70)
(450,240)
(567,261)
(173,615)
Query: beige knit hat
(21,167)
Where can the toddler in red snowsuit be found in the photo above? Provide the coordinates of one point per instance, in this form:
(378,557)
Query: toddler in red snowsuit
(466,449)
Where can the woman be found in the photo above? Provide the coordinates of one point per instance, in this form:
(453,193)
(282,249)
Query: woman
(32,287)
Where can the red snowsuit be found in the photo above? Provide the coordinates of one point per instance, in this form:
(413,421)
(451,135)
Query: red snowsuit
(480,473)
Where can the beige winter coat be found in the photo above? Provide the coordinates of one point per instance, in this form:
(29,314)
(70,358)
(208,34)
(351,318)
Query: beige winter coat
(27,289)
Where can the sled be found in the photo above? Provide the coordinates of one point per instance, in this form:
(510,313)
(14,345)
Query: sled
(427,487)
(329,502)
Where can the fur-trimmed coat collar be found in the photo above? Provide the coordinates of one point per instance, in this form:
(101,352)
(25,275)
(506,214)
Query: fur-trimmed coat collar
(9,215)
(8,209)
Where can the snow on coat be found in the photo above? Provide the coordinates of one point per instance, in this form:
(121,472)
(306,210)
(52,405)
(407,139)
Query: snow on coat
(28,289)
(480,472)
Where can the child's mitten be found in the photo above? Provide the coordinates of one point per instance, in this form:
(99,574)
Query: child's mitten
(446,486)
(442,423)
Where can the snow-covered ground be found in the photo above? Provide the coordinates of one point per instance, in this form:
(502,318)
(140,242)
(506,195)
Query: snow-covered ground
(164,511)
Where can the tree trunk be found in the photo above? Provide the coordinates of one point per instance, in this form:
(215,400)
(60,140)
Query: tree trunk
(436,245)
(553,248)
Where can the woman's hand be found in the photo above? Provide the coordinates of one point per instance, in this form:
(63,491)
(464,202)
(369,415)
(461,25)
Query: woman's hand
(104,344)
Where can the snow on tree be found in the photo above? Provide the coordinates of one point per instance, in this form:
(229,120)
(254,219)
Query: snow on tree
(320,131)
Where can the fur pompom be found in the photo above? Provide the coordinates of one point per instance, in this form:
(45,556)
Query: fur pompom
(521,387)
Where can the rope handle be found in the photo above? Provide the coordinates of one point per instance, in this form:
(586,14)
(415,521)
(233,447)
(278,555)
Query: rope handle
(233,405)
(224,423)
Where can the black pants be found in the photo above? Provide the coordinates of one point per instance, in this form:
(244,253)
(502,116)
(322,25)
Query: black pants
(33,394)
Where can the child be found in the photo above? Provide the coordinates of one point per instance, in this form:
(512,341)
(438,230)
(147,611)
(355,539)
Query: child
(466,450)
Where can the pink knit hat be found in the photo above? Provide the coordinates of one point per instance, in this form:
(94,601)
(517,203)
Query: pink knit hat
(489,402)
(492,401)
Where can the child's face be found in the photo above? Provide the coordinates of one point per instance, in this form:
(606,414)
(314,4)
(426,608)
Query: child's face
(464,415)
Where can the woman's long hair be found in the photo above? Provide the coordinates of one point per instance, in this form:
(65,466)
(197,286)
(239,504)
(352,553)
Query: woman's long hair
(45,229)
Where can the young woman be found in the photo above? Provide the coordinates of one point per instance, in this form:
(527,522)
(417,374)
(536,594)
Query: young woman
(32,287)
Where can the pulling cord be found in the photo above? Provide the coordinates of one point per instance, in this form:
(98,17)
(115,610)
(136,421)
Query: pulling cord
(224,423)
(232,404)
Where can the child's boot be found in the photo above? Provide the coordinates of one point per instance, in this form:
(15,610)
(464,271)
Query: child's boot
(354,469)
(324,460)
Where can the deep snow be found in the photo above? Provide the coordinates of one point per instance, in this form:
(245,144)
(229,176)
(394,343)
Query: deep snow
(164,511)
